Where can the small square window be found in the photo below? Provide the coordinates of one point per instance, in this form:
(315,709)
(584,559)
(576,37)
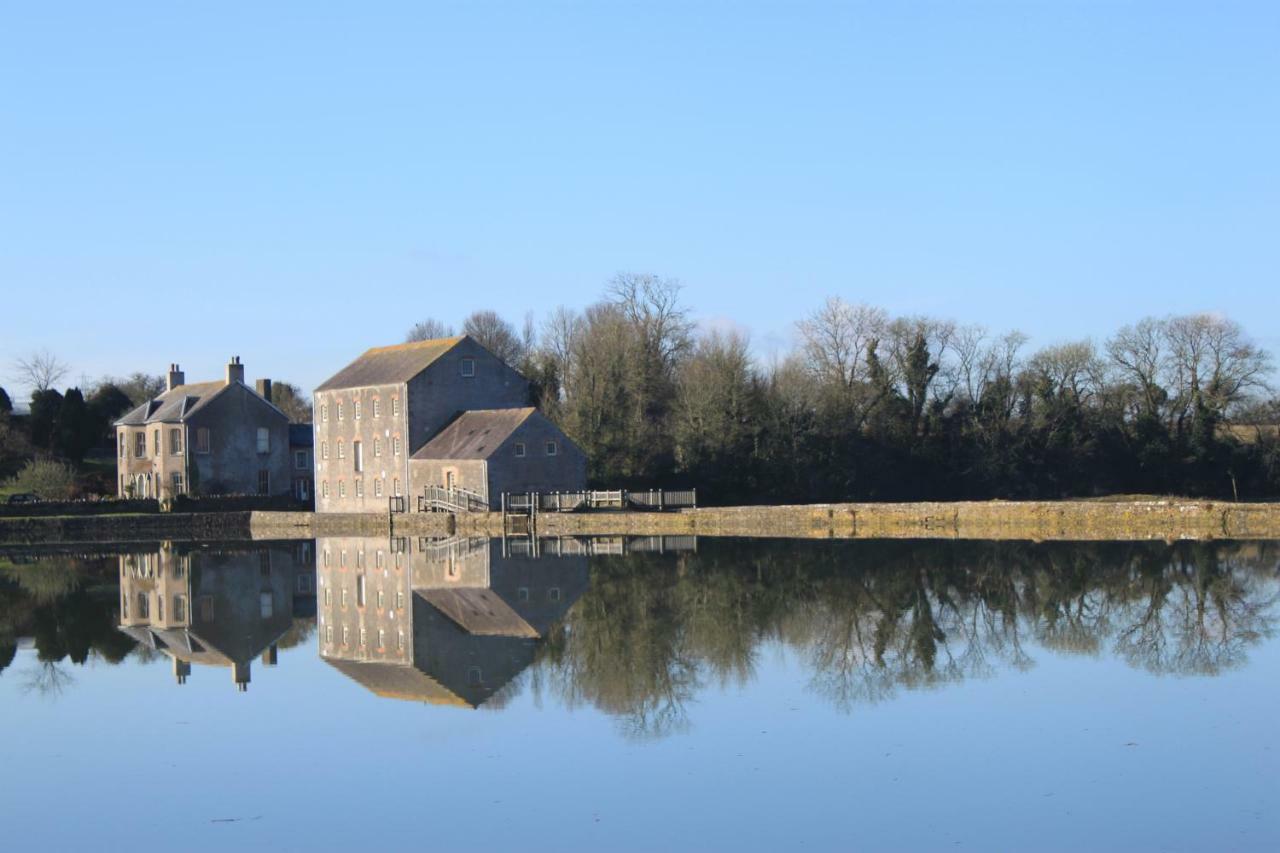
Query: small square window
(519,448)
(552,449)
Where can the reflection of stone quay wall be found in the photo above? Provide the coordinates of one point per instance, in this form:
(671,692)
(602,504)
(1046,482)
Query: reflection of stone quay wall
(1033,520)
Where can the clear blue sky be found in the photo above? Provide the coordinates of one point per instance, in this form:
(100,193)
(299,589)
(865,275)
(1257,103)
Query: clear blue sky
(187,181)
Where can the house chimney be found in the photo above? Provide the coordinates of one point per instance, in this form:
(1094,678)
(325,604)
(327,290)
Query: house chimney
(270,655)
(235,370)
(264,389)
(176,378)
(240,675)
(181,669)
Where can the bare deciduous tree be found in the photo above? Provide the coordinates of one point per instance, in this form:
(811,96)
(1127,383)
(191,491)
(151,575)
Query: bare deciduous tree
(496,335)
(836,338)
(427,330)
(1214,363)
(41,370)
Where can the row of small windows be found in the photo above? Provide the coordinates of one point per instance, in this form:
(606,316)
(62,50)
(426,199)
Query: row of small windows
(364,636)
(379,559)
(357,409)
(361,599)
(357,450)
(204,441)
(551,449)
(379,488)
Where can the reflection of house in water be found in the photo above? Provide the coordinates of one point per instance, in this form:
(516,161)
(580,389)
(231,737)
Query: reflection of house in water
(216,606)
(445,622)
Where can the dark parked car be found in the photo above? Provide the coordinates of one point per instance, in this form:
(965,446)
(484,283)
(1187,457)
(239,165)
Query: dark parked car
(23,498)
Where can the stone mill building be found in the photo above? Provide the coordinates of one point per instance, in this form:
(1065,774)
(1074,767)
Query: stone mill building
(443,412)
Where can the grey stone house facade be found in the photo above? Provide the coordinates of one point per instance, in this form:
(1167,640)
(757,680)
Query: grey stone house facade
(377,412)
(218,437)
(493,451)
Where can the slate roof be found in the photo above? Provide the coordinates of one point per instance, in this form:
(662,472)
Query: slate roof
(477,611)
(475,434)
(301,435)
(389,365)
(398,681)
(173,405)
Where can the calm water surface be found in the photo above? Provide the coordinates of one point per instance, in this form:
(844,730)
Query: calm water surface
(361,693)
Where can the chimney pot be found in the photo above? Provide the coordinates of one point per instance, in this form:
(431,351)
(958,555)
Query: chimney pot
(235,370)
(175,378)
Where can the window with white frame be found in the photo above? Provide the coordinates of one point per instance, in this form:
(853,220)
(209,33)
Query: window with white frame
(342,488)
(324,450)
(519,449)
(552,448)
(377,447)
(139,445)
(300,460)
(355,409)
(324,412)
(467,367)
(395,406)
(342,449)
(377,407)
(377,487)
(324,489)
(339,411)
(175,442)
(395,445)
(264,440)
(357,454)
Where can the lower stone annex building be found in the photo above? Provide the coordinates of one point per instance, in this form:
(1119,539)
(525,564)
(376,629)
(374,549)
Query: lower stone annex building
(443,412)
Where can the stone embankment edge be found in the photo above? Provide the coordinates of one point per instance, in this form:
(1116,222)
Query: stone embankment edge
(1026,520)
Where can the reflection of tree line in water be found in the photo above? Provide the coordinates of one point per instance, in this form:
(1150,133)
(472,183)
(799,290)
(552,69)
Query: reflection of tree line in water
(69,607)
(866,618)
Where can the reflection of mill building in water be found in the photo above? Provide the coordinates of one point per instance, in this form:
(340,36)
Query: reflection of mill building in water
(208,607)
(445,622)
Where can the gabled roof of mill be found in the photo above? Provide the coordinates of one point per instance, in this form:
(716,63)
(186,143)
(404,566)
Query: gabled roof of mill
(174,405)
(475,434)
(388,365)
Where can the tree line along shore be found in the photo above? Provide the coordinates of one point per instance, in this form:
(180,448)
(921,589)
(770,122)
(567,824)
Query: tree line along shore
(864,406)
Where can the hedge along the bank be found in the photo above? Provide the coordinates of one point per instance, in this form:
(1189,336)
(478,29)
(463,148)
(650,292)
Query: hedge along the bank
(140,506)
(42,509)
